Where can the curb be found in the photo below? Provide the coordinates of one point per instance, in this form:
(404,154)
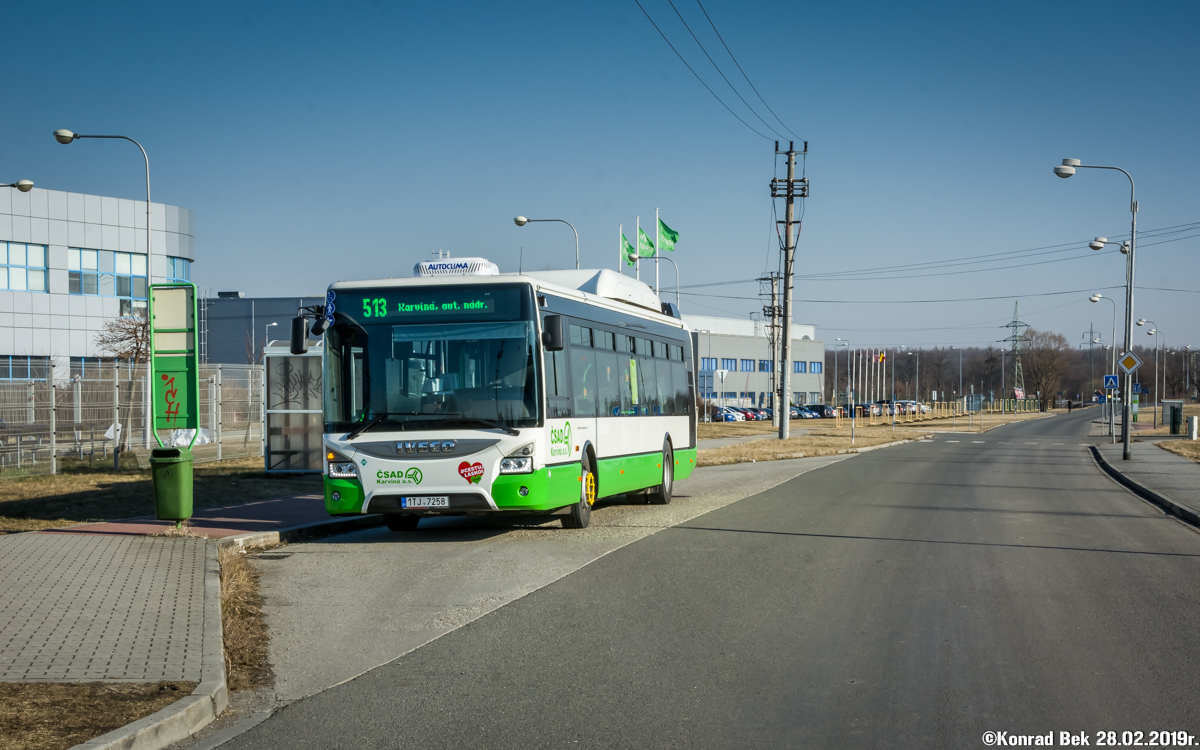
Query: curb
(1167,504)
(882,445)
(189,715)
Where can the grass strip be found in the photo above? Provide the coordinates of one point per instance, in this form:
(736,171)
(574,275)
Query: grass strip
(244,624)
(57,715)
(86,495)
(1189,449)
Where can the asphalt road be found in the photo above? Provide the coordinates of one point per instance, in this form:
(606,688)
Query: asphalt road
(912,597)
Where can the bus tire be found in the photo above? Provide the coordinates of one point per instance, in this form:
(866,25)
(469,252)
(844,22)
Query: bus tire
(580,514)
(397,522)
(661,495)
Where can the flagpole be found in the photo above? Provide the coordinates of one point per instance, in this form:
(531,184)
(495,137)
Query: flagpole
(637,244)
(657,242)
(620,250)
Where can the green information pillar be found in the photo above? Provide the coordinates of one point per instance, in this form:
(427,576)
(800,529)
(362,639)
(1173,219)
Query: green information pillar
(175,373)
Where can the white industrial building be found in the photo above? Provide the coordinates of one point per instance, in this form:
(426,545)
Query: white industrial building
(68,263)
(743,350)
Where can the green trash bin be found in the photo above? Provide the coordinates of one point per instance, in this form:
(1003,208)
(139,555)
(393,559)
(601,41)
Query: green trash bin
(1177,419)
(172,472)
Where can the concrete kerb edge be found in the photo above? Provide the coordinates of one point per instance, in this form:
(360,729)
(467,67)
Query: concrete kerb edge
(1162,501)
(188,715)
(314,530)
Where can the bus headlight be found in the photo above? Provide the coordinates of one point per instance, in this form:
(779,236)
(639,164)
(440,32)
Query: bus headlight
(516,465)
(519,461)
(339,466)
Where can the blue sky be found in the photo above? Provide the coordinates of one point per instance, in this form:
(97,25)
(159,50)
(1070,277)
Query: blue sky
(319,142)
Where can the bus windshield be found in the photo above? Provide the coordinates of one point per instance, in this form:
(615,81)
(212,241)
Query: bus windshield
(419,358)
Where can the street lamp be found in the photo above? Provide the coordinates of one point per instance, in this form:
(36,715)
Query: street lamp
(23,185)
(1154,332)
(708,334)
(1096,298)
(265,329)
(1065,170)
(917,386)
(522,221)
(846,344)
(65,136)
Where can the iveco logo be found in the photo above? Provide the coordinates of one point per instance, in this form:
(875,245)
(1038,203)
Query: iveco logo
(425,446)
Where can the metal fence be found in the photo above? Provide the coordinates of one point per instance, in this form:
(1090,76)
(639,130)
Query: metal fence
(66,420)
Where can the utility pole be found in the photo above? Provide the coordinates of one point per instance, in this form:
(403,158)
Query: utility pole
(789,189)
(772,313)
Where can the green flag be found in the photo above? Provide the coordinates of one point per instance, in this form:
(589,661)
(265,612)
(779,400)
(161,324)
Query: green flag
(667,237)
(645,244)
(627,250)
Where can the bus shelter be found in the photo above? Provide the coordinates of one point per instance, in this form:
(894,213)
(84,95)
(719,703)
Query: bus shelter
(292,423)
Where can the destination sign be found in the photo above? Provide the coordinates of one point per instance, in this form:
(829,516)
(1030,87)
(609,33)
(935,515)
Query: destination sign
(426,305)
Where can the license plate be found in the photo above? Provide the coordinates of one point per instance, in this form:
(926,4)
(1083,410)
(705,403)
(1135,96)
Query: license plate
(433,501)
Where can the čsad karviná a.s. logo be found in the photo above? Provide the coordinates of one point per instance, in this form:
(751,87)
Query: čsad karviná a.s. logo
(560,440)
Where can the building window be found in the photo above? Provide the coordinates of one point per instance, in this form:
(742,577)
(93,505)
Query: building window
(729,394)
(800,398)
(729,364)
(105,273)
(747,365)
(180,269)
(24,368)
(815,367)
(800,367)
(22,267)
(764,365)
(814,397)
(708,364)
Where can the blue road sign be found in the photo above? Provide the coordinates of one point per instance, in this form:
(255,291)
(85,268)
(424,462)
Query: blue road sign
(1102,398)
(1137,387)
(1110,383)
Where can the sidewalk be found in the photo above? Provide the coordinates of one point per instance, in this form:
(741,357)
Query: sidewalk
(1163,477)
(120,602)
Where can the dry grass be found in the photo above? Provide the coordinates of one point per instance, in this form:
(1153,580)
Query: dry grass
(85,495)
(1189,449)
(976,423)
(54,715)
(820,442)
(244,624)
(710,430)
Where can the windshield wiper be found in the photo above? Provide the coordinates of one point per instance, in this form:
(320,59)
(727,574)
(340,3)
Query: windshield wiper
(364,426)
(480,420)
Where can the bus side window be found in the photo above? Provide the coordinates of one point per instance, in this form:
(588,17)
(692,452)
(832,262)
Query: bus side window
(624,368)
(680,382)
(666,389)
(583,380)
(648,386)
(558,393)
(609,376)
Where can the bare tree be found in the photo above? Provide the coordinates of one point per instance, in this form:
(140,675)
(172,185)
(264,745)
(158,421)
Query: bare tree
(937,368)
(127,340)
(1045,361)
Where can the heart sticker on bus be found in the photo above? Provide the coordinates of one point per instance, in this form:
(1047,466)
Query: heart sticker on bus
(473,473)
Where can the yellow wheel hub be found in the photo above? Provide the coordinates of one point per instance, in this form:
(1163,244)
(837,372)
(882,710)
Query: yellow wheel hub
(589,488)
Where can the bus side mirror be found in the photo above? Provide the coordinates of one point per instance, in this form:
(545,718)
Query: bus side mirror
(299,336)
(552,333)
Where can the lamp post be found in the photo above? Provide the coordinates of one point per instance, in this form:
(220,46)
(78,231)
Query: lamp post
(23,185)
(835,367)
(657,258)
(1153,330)
(1108,400)
(266,328)
(1096,298)
(917,385)
(1065,170)
(708,336)
(522,221)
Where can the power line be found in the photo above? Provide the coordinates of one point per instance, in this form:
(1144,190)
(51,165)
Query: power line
(698,78)
(1089,290)
(720,72)
(739,67)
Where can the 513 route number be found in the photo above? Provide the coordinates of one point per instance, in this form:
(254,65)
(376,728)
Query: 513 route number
(374,308)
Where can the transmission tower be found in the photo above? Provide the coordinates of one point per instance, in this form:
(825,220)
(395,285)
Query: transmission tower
(1017,337)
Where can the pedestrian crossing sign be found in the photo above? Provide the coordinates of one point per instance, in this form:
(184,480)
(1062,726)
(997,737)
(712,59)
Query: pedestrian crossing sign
(1129,362)
(1110,383)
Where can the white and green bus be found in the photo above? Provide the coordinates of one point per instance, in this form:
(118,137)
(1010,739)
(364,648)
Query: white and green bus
(465,391)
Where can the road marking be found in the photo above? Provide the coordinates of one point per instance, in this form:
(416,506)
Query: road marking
(1058,444)
(978,442)
(1031,444)
(953,441)
(1086,444)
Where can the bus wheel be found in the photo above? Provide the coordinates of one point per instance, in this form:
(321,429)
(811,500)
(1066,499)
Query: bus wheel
(401,522)
(661,495)
(581,512)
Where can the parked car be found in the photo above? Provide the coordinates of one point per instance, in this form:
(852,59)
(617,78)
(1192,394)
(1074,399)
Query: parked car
(823,410)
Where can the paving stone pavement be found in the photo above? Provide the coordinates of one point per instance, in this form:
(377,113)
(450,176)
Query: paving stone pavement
(89,607)
(1162,471)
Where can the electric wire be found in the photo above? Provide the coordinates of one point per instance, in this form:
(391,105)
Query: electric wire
(1089,291)
(698,78)
(739,67)
(722,73)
